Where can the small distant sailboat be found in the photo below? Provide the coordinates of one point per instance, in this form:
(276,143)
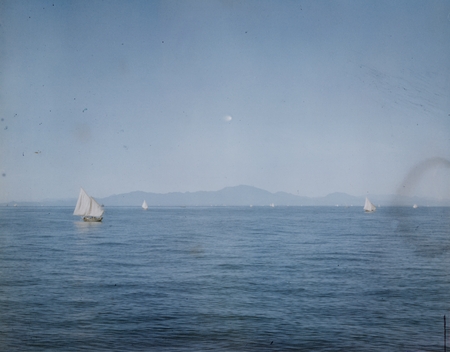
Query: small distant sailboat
(88,208)
(369,207)
(144,205)
(415,206)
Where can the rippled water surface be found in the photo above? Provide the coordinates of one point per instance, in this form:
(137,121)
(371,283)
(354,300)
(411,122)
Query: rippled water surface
(224,279)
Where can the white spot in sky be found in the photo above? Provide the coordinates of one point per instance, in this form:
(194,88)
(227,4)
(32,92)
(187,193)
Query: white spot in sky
(227,118)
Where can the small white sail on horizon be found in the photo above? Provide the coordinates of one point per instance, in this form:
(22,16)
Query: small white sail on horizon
(368,206)
(144,205)
(88,208)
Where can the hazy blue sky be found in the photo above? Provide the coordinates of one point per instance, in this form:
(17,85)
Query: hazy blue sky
(306,97)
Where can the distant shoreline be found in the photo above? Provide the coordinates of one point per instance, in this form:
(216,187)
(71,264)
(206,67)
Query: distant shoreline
(240,196)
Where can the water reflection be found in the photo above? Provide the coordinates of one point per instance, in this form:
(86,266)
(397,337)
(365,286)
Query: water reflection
(86,227)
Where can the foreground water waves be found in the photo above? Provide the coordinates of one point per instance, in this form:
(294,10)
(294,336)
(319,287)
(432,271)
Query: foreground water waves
(224,279)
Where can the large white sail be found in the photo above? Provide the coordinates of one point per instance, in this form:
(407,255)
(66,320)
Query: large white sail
(144,205)
(87,206)
(368,206)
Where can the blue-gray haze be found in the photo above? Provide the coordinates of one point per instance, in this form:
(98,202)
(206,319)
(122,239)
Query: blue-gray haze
(304,97)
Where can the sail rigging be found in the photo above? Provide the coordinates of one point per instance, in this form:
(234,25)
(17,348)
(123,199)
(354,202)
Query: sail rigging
(88,207)
(368,206)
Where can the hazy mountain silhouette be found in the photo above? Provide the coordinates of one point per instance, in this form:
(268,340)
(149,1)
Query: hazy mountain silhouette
(231,196)
(248,195)
(243,196)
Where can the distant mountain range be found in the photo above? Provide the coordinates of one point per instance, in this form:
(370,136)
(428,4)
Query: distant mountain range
(242,196)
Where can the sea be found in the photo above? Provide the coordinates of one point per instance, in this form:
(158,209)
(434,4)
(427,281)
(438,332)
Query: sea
(225,279)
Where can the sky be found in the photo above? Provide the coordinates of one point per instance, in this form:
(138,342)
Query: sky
(304,97)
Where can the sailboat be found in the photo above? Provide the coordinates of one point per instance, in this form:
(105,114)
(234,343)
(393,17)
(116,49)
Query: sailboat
(144,205)
(88,208)
(369,207)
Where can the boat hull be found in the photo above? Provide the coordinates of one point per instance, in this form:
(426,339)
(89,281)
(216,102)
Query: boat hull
(92,219)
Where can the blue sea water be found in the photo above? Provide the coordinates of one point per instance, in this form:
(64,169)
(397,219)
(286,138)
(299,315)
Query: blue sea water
(224,279)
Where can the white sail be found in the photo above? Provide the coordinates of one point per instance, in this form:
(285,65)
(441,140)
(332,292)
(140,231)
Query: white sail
(87,206)
(368,206)
(144,205)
